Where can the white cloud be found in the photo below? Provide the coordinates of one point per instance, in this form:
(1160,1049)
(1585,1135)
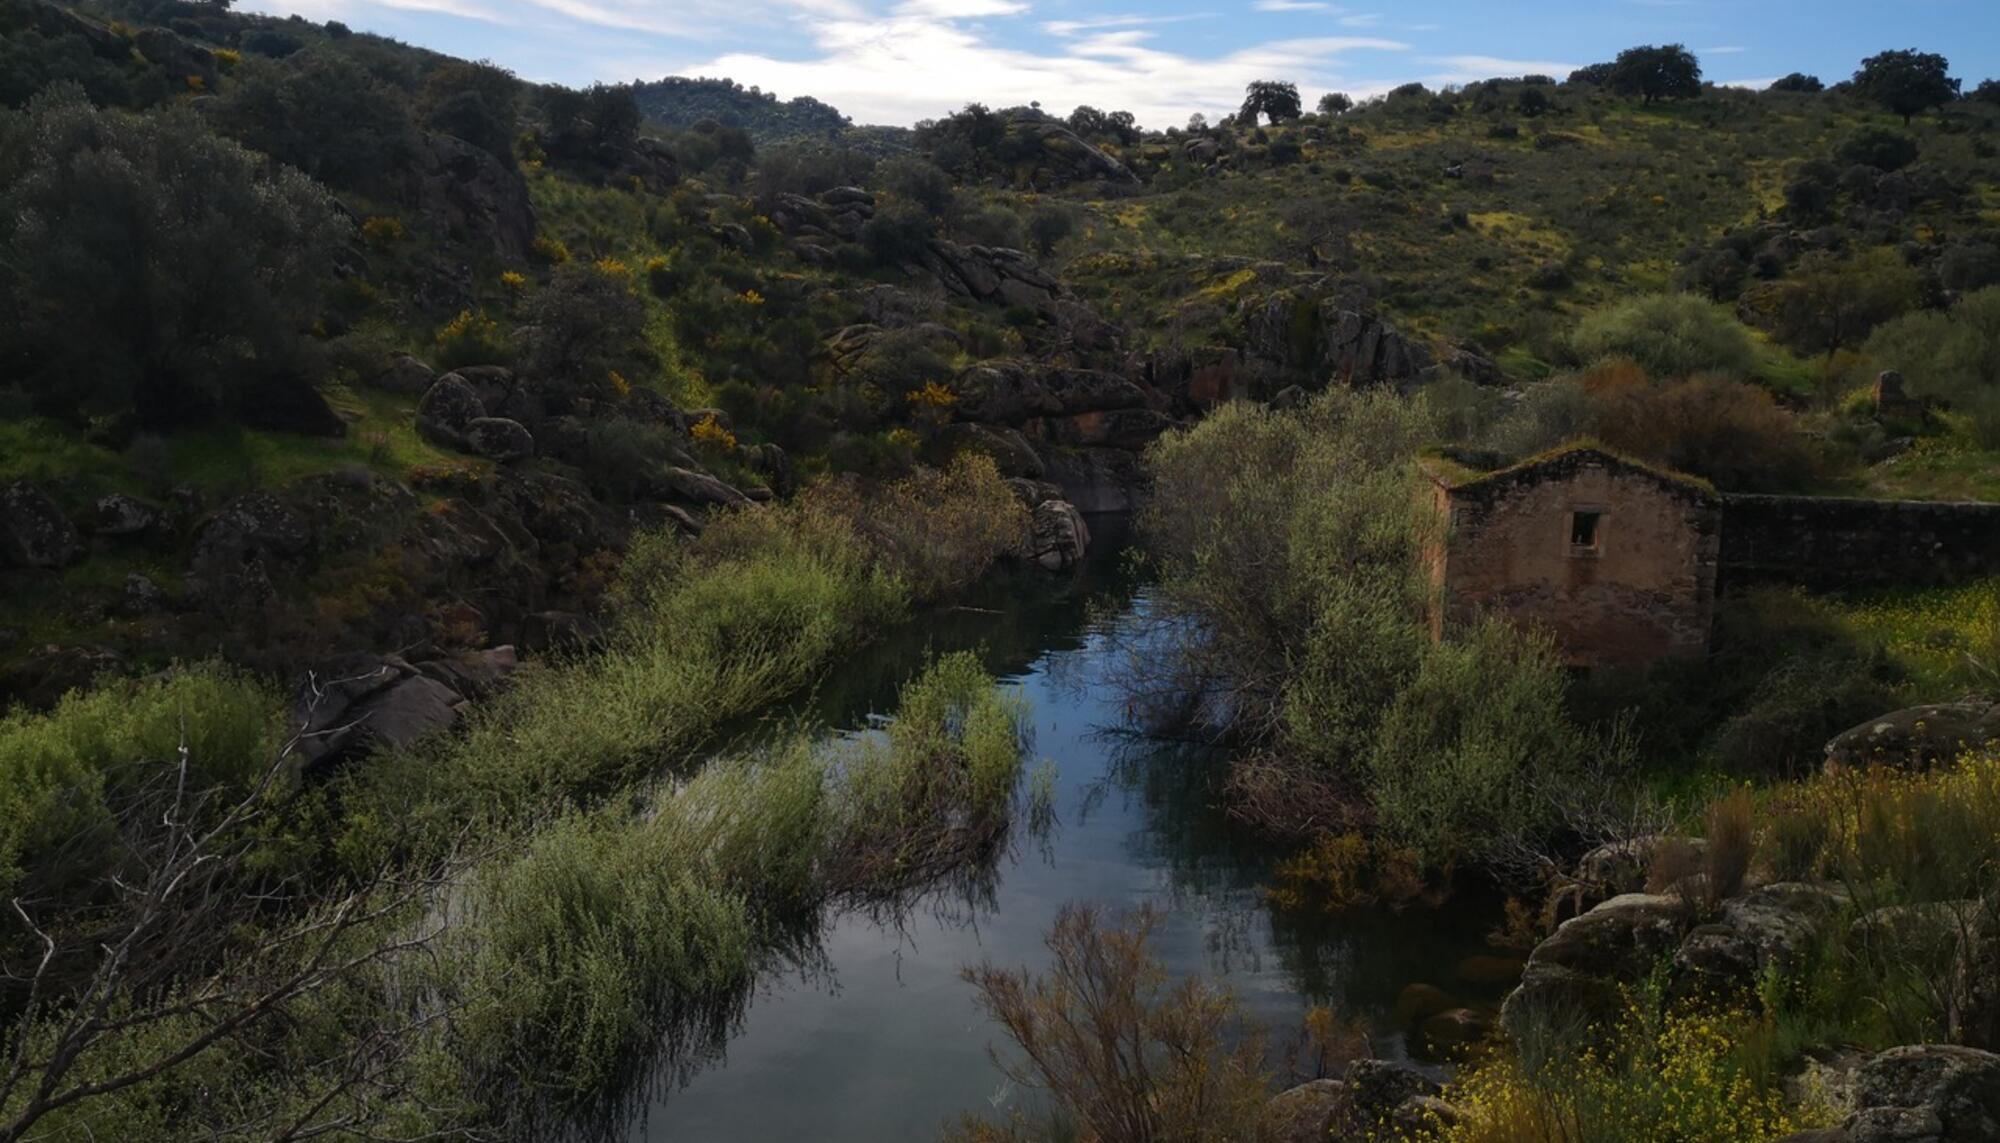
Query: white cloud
(906,67)
(961,9)
(1365,20)
(1072,27)
(1466,69)
(1293,6)
(1722,51)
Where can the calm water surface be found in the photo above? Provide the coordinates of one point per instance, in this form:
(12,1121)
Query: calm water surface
(878,1038)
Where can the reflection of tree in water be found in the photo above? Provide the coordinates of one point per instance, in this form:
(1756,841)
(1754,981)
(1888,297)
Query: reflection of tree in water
(1356,961)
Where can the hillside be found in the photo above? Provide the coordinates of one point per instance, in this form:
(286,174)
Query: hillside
(430,503)
(678,102)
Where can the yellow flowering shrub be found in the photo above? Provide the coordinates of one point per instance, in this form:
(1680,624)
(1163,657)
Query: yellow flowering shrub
(227,58)
(1685,1077)
(471,338)
(196,83)
(513,281)
(613,268)
(551,250)
(382,230)
(752,298)
(712,436)
(932,396)
(619,385)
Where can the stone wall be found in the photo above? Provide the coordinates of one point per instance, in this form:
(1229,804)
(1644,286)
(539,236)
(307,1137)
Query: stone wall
(1646,589)
(1830,542)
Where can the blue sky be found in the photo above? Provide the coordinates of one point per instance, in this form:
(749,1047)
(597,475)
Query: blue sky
(896,61)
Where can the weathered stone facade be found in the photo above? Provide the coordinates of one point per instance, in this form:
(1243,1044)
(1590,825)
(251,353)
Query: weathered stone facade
(1617,561)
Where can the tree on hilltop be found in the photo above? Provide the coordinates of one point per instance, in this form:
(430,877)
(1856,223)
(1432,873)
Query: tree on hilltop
(1800,82)
(1335,103)
(1275,98)
(1669,71)
(1906,82)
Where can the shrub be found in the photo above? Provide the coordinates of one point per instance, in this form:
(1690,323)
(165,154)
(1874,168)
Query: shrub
(147,264)
(1952,356)
(1671,335)
(1882,149)
(1126,1054)
(1469,746)
(1288,538)
(1827,304)
(935,790)
(1682,1074)
(1728,432)
(1969,264)
(899,232)
(1048,225)
(471,339)
(585,324)
(65,775)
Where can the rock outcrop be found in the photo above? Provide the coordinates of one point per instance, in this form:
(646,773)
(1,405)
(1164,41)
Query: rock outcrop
(239,546)
(350,706)
(499,438)
(1575,977)
(469,195)
(1374,1093)
(1924,1093)
(1054,156)
(1317,337)
(1918,736)
(34,533)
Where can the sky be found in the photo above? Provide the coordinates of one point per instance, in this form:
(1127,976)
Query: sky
(898,61)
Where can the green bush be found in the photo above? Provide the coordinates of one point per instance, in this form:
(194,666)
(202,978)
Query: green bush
(1290,539)
(1671,335)
(1953,356)
(1472,745)
(147,263)
(65,775)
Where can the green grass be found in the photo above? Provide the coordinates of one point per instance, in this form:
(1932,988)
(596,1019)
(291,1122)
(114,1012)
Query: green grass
(614,925)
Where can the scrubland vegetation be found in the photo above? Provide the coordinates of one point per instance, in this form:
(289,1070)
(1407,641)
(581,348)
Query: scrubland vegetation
(514,931)
(231,240)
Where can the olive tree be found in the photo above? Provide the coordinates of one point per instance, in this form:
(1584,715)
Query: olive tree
(149,264)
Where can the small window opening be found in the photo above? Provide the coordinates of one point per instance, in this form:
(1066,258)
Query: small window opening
(1583,529)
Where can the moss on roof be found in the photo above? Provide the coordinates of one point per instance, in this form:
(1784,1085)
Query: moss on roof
(1457,477)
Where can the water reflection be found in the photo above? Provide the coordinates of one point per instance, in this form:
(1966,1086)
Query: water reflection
(867,1032)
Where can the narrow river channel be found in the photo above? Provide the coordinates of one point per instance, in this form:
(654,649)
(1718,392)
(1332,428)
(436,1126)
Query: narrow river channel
(880,1040)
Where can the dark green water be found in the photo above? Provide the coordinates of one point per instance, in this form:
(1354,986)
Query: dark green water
(877,1038)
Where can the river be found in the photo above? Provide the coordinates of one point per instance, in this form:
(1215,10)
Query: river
(878,1038)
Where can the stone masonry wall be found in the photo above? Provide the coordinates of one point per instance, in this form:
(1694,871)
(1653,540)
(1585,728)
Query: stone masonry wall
(1647,592)
(1830,542)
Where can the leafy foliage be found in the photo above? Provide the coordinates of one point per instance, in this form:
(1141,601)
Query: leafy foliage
(151,264)
(1906,82)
